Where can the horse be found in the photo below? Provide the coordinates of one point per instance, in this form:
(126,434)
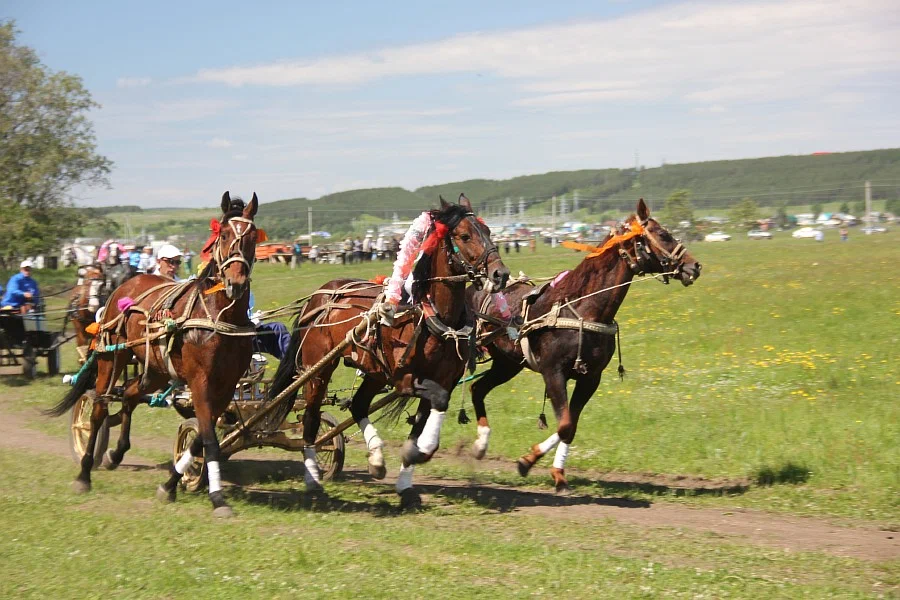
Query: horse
(197,332)
(87,296)
(422,354)
(569,330)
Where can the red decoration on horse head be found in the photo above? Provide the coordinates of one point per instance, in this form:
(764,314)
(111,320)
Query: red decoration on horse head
(434,238)
(216,228)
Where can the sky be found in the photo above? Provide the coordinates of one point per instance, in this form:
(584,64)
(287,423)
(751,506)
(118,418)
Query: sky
(302,99)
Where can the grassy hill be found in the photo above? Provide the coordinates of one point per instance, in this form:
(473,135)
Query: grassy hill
(785,180)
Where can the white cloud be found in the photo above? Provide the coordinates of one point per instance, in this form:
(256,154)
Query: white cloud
(701,52)
(133,82)
(219,143)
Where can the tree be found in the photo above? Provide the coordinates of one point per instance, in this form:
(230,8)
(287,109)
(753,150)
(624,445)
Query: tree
(817,210)
(845,208)
(745,213)
(678,208)
(781,216)
(47,148)
(893,206)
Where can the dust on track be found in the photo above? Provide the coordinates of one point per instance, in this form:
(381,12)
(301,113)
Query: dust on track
(743,525)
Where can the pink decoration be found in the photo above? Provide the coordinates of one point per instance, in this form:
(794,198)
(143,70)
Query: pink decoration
(558,279)
(409,250)
(124,304)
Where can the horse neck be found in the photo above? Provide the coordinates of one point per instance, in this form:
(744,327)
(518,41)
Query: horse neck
(449,299)
(593,275)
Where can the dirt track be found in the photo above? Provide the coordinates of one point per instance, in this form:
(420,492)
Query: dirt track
(757,527)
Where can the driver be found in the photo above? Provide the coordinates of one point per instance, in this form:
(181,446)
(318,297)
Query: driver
(21,291)
(168,262)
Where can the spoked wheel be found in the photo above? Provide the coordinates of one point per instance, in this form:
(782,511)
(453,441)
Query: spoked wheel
(330,455)
(194,477)
(80,429)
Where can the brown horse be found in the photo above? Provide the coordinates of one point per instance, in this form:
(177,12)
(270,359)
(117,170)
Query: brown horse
(422,355)
(195,332)
(87,296)
(569,332)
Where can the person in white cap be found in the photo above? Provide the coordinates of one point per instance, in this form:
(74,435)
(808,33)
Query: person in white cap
(21,291)
(168,262)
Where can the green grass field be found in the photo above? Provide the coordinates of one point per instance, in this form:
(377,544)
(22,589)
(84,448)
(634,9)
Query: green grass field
(778,367)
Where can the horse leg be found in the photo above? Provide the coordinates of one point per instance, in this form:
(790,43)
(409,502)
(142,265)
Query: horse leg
(99,413)
(555,386)
(359,408)
(500,372)
(166,491)
(422,449)
(584,389)
(130,399)
(409,497)
(314,392)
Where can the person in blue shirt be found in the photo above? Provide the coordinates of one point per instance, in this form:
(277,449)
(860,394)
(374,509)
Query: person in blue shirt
(22,290)
(272,338)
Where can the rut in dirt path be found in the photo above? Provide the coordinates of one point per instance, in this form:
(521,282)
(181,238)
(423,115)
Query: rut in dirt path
(756,527)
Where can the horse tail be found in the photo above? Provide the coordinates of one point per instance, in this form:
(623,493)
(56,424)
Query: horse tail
(287,370)
(397,409)
(84,380)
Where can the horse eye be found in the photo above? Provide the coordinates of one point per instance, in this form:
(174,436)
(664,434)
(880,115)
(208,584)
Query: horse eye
(465,237)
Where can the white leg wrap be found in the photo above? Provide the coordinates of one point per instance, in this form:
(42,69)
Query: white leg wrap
(549,444)
(431,434)
(215,479)
(481,442)
(184,462)
(376,457)
(562,452)
(373,440)
(404,478)
(312,466)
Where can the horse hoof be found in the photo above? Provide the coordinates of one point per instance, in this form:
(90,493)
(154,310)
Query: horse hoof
(479,452)
(108,463)
(563,489)
(411,455)
(164,495)
(524,467)
(377,471)
(410,499)
(223,512)
(314,488)
(81,487)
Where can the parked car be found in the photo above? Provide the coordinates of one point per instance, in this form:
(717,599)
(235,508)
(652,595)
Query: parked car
(759,234)
(805,232)
(873,229)
(717,236)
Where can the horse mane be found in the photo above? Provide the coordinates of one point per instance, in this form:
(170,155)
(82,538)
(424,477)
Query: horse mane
(444,220)
(579,278)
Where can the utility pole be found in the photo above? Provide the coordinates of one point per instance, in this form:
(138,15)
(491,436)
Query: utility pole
(508,211)
(521,208)
(563,207)
(869,204)
(309,223)
(553,222)
(575,200)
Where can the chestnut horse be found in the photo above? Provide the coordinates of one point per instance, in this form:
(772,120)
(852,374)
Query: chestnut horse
(422,355)
(196,332)
(554,346)
(86,298)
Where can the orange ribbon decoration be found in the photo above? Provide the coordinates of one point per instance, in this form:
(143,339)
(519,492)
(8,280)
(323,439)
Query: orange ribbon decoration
(636,230)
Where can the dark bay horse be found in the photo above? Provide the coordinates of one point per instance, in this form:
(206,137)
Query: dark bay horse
(422,355)
(555,347)
(195,332)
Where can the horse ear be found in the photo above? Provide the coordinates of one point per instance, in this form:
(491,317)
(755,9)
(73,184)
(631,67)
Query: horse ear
(444,203)
(250,211)
(464,202)
(643,212)
(226,201)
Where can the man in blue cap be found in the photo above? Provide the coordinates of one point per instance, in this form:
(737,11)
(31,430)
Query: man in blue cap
(21,291)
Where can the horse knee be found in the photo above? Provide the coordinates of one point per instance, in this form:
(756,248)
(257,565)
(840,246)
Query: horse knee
(432,391)
(566,433)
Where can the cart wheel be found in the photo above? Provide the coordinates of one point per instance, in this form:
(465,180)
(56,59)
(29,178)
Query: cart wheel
(29,361)
(331,454)
(53,361)
(80,429)
(194,478)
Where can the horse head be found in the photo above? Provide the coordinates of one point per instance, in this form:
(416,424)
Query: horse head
(472,252)
(235,247)
(657,251)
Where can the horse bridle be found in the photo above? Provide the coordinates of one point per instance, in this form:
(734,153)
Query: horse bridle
(474,270)
(671,262)
(234,253)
